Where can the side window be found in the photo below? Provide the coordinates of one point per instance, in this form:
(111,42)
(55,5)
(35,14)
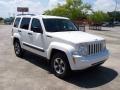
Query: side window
(17,21)
(36,26)
(25,23)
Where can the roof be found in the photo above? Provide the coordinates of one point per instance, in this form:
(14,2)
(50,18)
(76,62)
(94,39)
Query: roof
(41,16)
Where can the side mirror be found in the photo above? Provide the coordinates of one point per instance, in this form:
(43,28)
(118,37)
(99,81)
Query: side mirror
(37,30)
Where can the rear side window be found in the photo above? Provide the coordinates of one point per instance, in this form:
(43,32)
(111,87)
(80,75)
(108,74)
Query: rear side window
(25,23)
(17,21)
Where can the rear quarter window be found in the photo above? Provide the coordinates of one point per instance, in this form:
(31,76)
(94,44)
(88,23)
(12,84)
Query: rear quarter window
(16,23)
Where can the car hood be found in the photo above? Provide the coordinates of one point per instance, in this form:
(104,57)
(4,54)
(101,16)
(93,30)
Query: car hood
(75,36)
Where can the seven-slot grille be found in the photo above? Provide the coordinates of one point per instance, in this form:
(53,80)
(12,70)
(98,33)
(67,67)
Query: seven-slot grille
(95,47)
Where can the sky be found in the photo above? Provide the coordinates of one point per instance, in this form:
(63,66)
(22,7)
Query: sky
(8,7)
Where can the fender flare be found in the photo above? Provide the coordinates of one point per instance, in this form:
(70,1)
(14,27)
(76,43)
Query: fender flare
(17,36)
(67,49)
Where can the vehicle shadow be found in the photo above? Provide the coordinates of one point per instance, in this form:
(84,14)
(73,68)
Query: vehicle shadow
(89,78)
(37,60)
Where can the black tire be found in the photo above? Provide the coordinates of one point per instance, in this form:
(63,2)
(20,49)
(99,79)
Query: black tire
(17,48)
(64,72)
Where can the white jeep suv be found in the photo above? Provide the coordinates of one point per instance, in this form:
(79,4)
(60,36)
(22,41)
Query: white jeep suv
(59,41)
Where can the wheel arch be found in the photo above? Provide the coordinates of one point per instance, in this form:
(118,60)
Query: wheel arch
(63,48)
(54,51)
(15,39)
(16,36)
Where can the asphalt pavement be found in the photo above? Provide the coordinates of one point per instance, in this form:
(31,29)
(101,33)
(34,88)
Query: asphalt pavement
(33,72)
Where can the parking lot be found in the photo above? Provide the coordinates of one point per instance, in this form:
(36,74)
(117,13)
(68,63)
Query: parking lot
(33,72)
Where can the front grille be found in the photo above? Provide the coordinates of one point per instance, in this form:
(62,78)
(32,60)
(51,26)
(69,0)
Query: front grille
(94,48)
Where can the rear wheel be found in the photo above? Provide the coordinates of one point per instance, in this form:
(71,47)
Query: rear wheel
(17,48)
(60,65)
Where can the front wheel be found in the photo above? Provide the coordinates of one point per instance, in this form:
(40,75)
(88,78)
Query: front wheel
(60,65)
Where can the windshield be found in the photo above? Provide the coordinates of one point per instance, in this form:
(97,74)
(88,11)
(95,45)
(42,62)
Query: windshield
(59,25)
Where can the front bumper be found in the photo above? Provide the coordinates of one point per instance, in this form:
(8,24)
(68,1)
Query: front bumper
(83,62)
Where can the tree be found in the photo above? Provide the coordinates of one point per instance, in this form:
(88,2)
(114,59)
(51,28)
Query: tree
(98,17)
(73,9)
(114,15)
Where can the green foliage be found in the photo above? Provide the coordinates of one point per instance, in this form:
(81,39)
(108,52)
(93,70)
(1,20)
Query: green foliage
(114,15)
(9,20)
(59,11)
(98,17)
(73,9)
(1,19)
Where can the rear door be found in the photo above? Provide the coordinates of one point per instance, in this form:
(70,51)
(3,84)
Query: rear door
(25,32)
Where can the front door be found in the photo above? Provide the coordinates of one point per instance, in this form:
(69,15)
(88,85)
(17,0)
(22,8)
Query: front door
(37,38)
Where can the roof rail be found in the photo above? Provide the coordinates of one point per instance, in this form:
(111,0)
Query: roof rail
(26,14)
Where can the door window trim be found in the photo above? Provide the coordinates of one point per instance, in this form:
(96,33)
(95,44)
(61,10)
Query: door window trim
(31,25)
(21,23)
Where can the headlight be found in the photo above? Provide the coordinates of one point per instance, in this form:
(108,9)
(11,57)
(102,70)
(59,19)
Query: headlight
(83,50)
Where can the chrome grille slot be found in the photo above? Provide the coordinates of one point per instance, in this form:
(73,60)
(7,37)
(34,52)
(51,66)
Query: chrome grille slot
(94,48)
(89,50)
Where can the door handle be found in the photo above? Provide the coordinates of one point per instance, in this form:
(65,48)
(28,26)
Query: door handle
(19,31)
(29,33)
